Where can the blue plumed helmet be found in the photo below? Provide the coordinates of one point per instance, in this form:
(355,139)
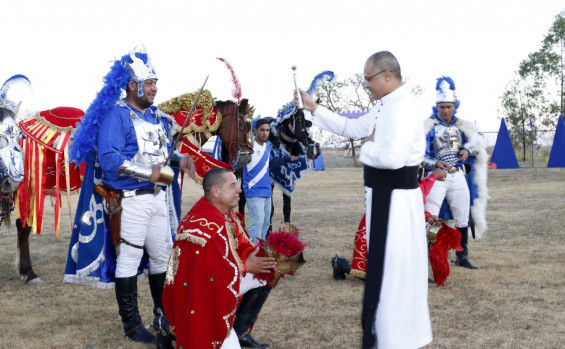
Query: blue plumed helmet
(134,66)
(445,92)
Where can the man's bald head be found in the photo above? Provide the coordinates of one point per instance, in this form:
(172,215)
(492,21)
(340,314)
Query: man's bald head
(385,60)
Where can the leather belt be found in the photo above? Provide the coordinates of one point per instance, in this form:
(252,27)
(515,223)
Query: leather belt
(130,193)
(455,169)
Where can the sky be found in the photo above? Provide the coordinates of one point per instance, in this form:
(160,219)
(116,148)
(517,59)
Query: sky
(65,47)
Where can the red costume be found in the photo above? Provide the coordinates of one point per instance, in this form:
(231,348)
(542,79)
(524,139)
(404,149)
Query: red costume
(359,263)
(202,284)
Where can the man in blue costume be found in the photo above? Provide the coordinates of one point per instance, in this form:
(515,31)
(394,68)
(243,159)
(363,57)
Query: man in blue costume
(256,183)
(133,141)
(451,143)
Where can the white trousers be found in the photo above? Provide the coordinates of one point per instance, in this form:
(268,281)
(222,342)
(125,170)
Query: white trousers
(145,222)
(231,341)
(247,283)
(454,188)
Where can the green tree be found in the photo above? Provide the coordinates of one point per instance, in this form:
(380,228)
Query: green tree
(545,71)
(520,102)
(537,94)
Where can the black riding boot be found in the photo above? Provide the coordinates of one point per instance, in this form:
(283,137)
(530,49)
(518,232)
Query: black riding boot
(126,295)
(246,315)
(462,258)
(163,337)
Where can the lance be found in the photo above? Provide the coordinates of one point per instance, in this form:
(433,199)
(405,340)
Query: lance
(179,137)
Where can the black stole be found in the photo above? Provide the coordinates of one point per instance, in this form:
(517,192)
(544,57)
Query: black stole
(383,182)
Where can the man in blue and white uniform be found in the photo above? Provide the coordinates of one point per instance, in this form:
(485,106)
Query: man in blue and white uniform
(451,143)
(256,184)
(134,140)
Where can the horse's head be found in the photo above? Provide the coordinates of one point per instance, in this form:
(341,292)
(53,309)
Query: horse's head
(235,131)
(295,129)
(11,153)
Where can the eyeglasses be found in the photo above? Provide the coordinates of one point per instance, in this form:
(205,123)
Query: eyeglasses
(368,78)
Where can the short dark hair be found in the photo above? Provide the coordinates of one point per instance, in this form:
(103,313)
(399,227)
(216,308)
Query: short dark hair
(385,60)
(262,122)
(213,178)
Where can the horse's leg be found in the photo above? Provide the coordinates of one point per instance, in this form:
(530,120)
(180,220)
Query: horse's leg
(23,258)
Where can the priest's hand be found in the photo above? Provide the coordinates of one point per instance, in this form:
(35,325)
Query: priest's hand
(371,138)
(307,101)
(255,264)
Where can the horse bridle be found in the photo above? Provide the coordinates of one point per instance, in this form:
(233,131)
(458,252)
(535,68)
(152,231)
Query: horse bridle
(236,116)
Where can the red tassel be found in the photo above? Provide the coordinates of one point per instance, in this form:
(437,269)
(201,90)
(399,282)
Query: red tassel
(447,238)
(237,87)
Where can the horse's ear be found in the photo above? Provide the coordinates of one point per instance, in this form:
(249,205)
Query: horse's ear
(243,106)
(246,109)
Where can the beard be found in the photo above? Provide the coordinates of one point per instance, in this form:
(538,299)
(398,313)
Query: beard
(144,102)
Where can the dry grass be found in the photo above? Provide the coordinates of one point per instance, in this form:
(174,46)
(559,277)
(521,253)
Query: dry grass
(515,300)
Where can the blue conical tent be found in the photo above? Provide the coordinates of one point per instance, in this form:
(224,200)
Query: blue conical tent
(503,154)
(557,155)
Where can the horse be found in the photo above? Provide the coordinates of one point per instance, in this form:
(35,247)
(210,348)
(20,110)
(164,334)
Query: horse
(226,119)
(290,135)
(294,131)
(235,131)
(11,174)
(45,146)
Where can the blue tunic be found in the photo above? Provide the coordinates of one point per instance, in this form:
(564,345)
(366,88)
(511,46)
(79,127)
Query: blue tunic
(114,149)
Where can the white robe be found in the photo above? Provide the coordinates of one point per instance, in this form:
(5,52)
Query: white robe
(402,318)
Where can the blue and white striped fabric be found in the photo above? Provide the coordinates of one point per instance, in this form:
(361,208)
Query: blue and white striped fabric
(256,174)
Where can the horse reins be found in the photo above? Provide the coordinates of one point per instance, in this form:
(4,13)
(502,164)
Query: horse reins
(233,124)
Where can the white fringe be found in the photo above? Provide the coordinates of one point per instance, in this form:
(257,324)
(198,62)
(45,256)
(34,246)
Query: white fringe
(477,146)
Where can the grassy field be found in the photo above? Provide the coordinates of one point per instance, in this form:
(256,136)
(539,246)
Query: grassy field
(515,299)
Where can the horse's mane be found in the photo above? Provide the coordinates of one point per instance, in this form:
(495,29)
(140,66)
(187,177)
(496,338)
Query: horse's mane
(5,113)
(221,104)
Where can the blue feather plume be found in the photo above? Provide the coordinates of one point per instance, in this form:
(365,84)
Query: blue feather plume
(86,135)
(289,108)
(445,78)
(325,75)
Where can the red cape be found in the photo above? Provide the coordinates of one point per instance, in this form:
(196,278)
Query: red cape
(359,263)
(201,290)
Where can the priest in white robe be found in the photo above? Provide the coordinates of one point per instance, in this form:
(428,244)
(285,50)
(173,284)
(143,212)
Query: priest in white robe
(395,306)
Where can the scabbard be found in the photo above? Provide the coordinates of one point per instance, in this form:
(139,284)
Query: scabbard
(113,200)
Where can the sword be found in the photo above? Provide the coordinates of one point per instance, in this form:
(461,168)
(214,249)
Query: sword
(185,122)
(157,188)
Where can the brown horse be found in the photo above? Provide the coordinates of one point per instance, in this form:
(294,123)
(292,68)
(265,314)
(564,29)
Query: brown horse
(235,132)
(226,119)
